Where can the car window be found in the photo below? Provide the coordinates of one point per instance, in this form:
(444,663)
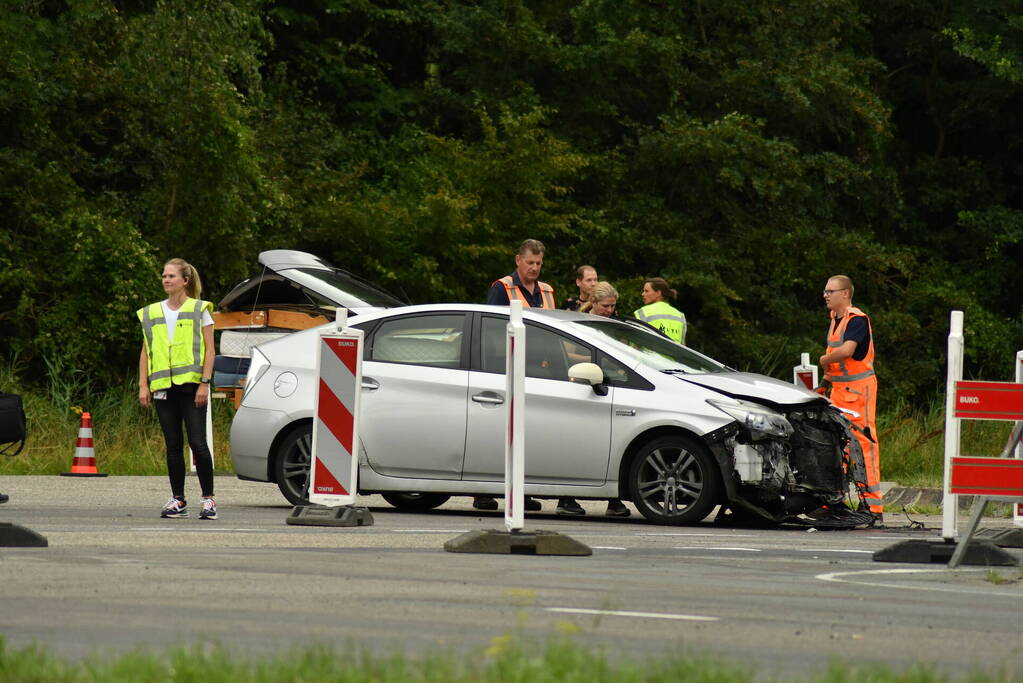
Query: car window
(650,348)
(340,288)
(433,340)
(548,353)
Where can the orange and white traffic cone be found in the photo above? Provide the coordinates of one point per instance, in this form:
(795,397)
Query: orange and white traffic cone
(84,464)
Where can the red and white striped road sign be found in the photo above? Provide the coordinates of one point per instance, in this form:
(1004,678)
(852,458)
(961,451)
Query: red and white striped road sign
(334,468)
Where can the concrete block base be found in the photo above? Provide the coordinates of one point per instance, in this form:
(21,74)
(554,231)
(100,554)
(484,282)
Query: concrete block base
(924,551)
(319,515)
(517,543)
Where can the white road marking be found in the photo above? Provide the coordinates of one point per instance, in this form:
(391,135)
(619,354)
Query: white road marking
(897,538)
(608,547)
(832,550)
(707,535)
(202,528)
(846,577)
(430,531)
(641,615)
(705,547)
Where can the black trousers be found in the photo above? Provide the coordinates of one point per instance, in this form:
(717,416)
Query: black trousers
(179,407)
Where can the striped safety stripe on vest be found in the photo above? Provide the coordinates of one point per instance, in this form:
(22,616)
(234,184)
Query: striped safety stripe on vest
(666,313)
(152,316)
(849,370)
(546,293)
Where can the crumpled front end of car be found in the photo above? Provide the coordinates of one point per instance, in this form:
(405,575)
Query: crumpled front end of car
(777,464)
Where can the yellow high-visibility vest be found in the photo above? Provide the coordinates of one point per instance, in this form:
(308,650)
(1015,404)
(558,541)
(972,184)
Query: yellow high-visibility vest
(179,362)
(666,318)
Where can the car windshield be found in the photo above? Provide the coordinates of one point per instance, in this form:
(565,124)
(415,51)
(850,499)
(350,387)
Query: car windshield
(341,288)
(650,348)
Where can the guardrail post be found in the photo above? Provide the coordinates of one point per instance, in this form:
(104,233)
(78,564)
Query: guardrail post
(950,502)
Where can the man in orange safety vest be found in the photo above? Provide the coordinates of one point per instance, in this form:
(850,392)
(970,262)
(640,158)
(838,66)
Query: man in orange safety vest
(848,366)
(524,282)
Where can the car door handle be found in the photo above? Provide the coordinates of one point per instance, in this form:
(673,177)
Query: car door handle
(370,384)
(488,397)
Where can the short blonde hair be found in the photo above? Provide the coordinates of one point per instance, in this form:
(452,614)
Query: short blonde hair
(845,282)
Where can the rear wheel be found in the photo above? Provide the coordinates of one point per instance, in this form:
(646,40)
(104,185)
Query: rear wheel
(291,465)
(674,480)
(416,502)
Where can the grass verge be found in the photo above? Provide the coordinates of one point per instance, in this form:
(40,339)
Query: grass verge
(505,661)
(127,437)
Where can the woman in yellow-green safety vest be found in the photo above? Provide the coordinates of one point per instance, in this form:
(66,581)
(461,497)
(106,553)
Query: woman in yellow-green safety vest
(175,369)
(658,312)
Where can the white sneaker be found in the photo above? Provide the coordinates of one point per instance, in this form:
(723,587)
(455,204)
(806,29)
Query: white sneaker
(209,509)
(174,509)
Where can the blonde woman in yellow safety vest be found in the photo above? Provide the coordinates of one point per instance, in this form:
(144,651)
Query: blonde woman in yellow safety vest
(658,312)
(175,369)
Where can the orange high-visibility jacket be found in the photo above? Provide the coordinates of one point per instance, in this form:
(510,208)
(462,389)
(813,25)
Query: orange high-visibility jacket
(546,292)
(849,370)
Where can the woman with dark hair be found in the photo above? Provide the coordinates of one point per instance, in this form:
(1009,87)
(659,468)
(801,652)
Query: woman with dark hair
(175,368)
(657,310)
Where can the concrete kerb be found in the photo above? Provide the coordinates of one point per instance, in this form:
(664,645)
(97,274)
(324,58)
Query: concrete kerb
(908,496)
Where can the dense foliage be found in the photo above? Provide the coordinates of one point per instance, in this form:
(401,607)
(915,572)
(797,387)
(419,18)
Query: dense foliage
(743,149)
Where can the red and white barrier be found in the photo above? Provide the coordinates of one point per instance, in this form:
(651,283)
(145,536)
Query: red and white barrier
(991,478)
(1017,511)
(805,374)
(333,470)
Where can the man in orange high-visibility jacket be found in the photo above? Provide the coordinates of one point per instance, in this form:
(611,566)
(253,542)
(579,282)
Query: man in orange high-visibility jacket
(848,365)
(524,282)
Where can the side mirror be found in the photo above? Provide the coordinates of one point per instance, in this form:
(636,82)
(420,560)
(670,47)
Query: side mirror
(588,373)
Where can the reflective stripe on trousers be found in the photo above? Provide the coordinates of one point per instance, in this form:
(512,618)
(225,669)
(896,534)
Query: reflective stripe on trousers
(861,396)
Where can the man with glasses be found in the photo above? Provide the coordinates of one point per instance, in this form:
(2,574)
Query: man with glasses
(848,366)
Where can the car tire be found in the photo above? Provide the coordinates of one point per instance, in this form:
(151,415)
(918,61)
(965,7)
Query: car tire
(416,502)
(291,465)
(674,480)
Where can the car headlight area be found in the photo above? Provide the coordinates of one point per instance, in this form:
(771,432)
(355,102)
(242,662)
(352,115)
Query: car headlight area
(758,419)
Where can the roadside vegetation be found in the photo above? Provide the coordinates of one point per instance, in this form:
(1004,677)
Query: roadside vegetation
(505,661)
(743,149)
(126,437)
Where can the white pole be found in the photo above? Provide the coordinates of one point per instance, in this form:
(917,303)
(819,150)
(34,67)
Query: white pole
(515,407)
(950,502)
(1017,510)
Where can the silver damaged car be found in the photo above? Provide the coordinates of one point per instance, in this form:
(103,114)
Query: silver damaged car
(613,410)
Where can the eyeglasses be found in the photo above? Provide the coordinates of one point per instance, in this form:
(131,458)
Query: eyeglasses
(829,292)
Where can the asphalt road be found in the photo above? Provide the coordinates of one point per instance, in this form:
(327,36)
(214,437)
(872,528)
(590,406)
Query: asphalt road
(116,577)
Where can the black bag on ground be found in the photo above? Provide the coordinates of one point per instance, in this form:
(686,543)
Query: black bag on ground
(12,423)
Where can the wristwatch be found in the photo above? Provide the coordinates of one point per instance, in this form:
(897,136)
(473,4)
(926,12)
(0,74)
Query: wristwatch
(205,380)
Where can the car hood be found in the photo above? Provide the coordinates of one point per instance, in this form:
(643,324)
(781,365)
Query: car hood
(753,387)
